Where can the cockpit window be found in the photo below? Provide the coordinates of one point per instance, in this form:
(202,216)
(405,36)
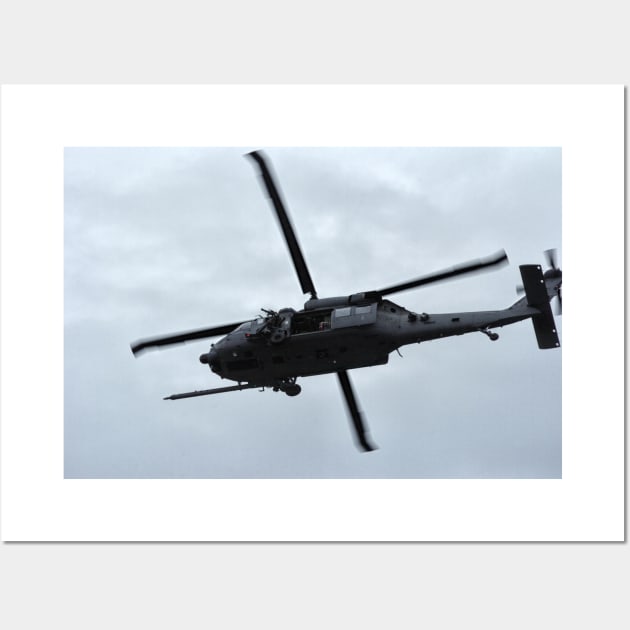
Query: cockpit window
(245,326)
(343,312)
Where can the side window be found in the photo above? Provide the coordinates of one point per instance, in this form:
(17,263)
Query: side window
(354,316)
(343,312)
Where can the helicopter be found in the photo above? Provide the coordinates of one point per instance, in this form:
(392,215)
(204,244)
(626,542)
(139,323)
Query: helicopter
(332,335)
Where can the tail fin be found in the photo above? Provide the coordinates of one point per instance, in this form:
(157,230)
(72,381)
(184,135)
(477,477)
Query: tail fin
(539,289)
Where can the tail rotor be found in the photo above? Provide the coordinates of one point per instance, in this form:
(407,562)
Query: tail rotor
(554,273)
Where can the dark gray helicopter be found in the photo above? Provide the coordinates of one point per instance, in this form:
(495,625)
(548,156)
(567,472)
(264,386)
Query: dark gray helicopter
(337,334)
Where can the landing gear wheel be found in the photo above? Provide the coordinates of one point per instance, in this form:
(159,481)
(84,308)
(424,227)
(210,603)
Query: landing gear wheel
(491,335)
(292,390)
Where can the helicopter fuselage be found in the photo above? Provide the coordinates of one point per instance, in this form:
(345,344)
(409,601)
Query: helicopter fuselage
(291,344)
(338,334)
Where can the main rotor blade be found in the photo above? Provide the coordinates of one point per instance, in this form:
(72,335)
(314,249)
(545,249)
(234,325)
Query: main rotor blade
(285,223)
(166,340)
(499,258)
(361,432)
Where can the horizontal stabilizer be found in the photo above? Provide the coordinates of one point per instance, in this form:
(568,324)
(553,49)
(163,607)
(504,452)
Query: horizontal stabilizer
(545,329)
(534,285)
(538,297)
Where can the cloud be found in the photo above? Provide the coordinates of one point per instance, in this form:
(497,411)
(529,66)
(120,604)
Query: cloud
(161,240)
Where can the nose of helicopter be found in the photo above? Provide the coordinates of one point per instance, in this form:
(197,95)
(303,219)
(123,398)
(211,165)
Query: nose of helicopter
(211,359)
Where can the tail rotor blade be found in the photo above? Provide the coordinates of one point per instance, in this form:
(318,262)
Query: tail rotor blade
(360,429)
(285,223)
(559,304)
(551,255)
(498,259)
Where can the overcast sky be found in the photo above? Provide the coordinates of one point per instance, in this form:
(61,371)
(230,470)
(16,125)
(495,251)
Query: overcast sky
(165,240)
